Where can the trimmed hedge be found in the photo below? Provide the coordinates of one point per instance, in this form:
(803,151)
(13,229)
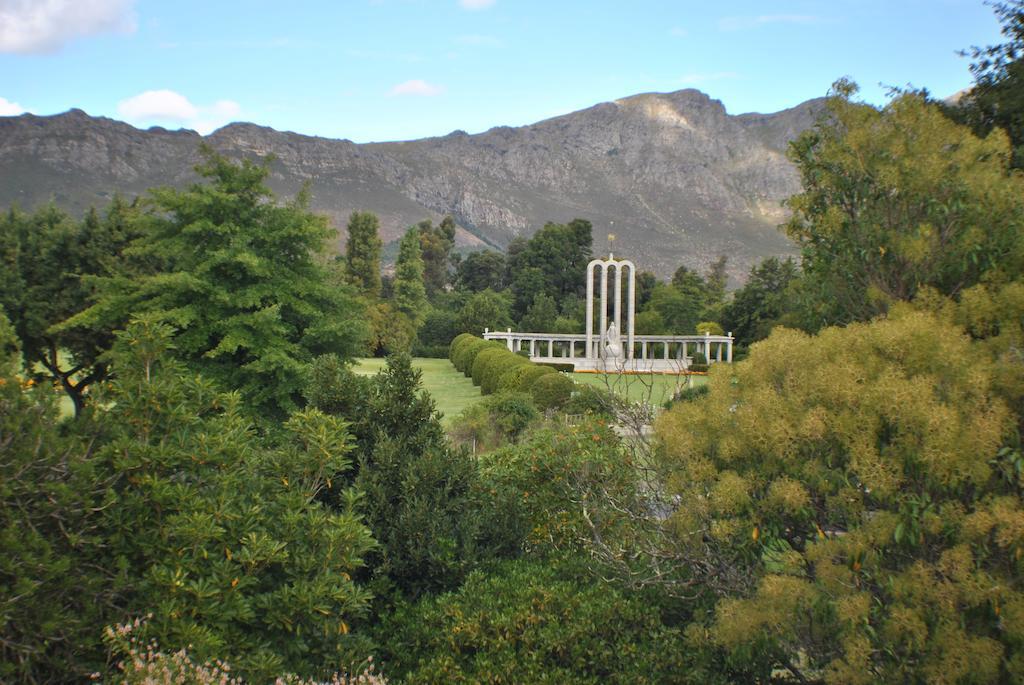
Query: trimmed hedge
(483,359)
(459,342)
(467,354)
(551,391)
(493,372)
(493,367)
(530,375)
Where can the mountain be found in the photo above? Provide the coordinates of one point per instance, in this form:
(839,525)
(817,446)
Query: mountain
(675,177)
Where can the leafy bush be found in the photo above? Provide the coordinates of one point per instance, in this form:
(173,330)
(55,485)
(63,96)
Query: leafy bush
(552,391)
(528,623)
(526,377)
(866,483)
(466,354)
(496,421)
(590,400)
(458,343)
(698,362)
(710,328)
(430,351)
(567,368)
(490,377)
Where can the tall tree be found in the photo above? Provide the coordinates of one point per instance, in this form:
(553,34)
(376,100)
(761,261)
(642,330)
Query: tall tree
(482,270)
(899,198)
(761,302)
(410,293)
(997,98)
(244,281)
(436,246)
(362,253)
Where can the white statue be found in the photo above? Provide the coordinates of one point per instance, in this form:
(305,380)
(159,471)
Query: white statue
(612,342)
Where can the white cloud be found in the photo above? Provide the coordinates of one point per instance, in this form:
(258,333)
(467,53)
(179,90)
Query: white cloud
(740,23)
(167,106)
(698,79)
(10,109)
(416,87)
(35,26)
(476,4)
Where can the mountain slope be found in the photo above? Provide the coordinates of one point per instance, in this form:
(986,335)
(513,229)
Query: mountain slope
(675,177)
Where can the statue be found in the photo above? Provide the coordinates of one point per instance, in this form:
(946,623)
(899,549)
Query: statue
(612,343)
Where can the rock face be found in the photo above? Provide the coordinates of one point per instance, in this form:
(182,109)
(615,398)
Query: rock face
(673,176)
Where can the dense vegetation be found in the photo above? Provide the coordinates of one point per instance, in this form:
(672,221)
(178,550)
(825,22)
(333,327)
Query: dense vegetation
(843,506)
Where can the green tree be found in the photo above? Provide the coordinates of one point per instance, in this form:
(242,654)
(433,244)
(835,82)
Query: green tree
(48,259)
(540,317)
(362,253)
(851,502)
(244,281)
(410,294)
(486,309)
(482,270)
(900,198)
(553,261)
(436,247)
(759,305)
(997,98)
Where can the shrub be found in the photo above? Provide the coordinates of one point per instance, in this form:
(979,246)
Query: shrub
(710,328)
(529,375)
(496,421)
(698,362)
(458,343)
(430,351)
(567,368)
(486,357)
(531,623)
(588,399)
(490,380)
(467,353)
(551,391)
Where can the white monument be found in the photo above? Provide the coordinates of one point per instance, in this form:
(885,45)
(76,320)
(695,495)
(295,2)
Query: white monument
(603,347)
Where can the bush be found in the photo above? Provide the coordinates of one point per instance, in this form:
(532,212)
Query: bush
(458,343)
(531,623)
(485,358)
(588,399)
(430,351)
(566,368)
(490,380)
(529,375)
(467,353)
(710,328)
(551,391)
(698,362)
(498,420)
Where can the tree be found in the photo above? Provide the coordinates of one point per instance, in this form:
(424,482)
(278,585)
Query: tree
(486,309)
(48,259)
(897,199)
(410,294)
(362,253)
(553,261)
(244,281)
(758,306)
(482,270)
(679,311)
(540,317)
(997,98)
(715,281)
(859,495)
(436,245)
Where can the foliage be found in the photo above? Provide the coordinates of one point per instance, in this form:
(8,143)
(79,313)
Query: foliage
(521,378)
(864,480)
(410,293)
(709,328)
(491,364)
(997,98)
(481,271)
(762,301)
(436,246)
(390,331)
(416,486)
(552,262)
(46,259)
(551,391)
(678,309)
(531,623)
(439,328)
(243,281)
(362,253)
(138,662)
(484,310)
(897,199)
(498,420)
(541,315)
(465,356)
(55,591)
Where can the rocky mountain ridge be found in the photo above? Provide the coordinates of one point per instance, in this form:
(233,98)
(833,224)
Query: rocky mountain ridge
(673,175)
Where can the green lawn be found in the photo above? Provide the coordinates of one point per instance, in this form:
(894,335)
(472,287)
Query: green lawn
(452,392)
(654,388)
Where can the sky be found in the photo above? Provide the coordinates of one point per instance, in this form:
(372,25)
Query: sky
(376,70)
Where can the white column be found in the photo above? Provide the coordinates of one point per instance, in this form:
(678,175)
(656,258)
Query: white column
(643,350)
(604,307)
(589,343)
(632,304)
(728,353)
(618,296)
(533,348)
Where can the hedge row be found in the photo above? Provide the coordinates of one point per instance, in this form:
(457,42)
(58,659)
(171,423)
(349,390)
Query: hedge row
(495,368)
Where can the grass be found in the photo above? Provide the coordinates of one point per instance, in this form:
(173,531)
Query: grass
(656,388)
(452,392)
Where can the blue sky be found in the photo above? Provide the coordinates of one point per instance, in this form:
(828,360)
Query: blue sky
(401,69)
